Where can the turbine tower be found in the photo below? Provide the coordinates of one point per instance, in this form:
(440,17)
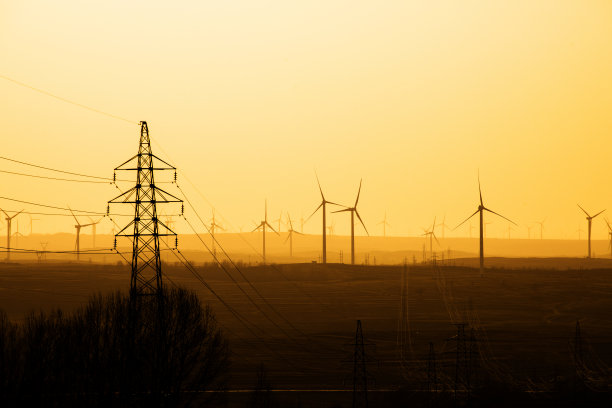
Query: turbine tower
(353,211)
(481,209)
(589,219)
(610,234)
(324,202)
(385,224)
(9,221)
(290,232)
(263,225)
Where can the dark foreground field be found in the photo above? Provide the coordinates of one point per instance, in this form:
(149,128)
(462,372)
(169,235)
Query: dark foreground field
(524,324)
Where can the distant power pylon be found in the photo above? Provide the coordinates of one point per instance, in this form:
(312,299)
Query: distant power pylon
(360,375)
(146,228)
(462,365)
(432,376)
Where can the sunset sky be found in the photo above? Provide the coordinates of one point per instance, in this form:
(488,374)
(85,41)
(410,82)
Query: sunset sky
(249,98)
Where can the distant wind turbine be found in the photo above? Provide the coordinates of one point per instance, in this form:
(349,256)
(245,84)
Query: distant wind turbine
(290,232)
(353,211)
(541,224)
(213,229)
(9,221)
(324,202)
(93,228)
(579,231)
(509,229)
(481,209)
(32,222)
(78,227)
(589,220)
(443,225)
(262,226)
(385,224)
(432,235)
(610,235)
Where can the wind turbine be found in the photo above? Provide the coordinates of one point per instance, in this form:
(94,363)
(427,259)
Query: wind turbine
(509,229)
(331,228)
(32,222)
(579,231)
(280,218)
(432,235)
(443,225)
(529,227)
(481,209)
(589,220)
(290,232)
(93,227)
(541,223)
(610,234)
(263,225)
(17,234)
(324,202)
(385,224)
(353,211)
(9,220)
(78,227)
(213,228)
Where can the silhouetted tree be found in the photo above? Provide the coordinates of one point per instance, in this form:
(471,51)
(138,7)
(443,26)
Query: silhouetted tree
(114,352)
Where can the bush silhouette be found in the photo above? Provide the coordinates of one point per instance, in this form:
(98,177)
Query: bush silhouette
(115,351)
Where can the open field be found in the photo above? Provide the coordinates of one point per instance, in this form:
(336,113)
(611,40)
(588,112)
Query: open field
(525,314)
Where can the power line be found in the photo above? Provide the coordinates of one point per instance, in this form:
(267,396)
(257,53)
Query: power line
(52,206)
(72,173)
(70,215)
(55,178)
(80,105)
(232,262)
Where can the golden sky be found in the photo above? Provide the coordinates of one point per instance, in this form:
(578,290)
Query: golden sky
(249,98)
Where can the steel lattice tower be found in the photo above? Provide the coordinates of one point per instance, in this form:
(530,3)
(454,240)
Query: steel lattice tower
(360,379)
(146,228)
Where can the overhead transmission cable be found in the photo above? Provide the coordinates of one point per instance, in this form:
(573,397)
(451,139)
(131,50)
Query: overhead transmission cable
(80,105)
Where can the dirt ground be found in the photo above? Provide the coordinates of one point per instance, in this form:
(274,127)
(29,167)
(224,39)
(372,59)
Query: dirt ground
(523,316)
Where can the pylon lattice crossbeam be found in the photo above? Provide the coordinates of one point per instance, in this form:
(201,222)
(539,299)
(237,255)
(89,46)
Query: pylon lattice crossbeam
(146,228)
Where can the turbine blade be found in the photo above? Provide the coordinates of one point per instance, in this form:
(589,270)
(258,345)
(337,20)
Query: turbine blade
(313,213)
(505,218)
(75,218)
(331,202)
(344,210)
(272,228)
(598,214)
(479,189)
(584,210)
(358,193)
(464,221)
(288,236)
(319,183)
(358,216)
(436,238)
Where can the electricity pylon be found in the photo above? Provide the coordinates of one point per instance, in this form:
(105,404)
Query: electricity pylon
(360,379)
(146,228)
(432,376)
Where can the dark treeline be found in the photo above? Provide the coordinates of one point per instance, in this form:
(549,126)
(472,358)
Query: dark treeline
(113,352)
